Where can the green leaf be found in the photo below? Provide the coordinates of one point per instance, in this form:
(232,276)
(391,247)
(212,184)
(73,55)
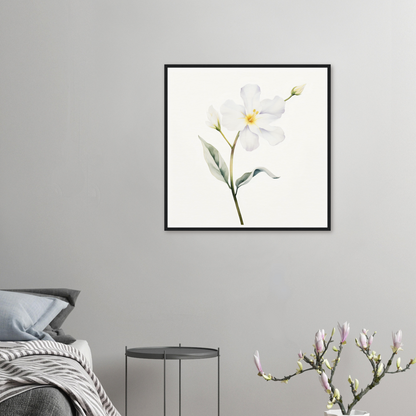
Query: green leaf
(248,176)
(215,162)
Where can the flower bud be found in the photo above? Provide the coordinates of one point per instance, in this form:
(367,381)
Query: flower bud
(325,383)
(397,341)
(298,90)
(413,361)
(319,341)
(363,341)
(326,362)
(356,384)
(337,394)
(329,405)
(335,348)
(333,332)
(258,363)
(349,379)
(300,367)
(398,363)
(344,330)
(213,118)
(380,369)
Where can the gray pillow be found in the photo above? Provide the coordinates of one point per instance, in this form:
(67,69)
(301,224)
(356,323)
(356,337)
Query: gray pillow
(23,317)
(59,335)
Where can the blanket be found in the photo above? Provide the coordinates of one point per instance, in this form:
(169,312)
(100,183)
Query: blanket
(31,364)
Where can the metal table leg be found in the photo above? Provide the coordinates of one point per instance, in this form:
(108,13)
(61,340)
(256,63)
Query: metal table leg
(164,383)
(125,383)
(218,381)
(180,385)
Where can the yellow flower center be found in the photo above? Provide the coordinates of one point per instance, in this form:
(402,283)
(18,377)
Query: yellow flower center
(251,118)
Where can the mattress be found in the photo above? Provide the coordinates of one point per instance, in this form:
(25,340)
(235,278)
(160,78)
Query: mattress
(82,346)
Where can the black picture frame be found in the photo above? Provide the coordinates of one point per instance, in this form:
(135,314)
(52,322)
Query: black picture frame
(188,88)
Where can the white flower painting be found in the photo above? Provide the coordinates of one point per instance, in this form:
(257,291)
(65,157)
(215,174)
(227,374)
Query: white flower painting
(260,107)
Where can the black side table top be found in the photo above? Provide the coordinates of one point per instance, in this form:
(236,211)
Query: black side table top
(172,353)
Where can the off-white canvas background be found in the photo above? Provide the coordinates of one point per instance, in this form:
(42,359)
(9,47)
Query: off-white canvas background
(297,199)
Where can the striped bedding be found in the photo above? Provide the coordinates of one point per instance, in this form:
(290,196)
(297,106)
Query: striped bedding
(31,364)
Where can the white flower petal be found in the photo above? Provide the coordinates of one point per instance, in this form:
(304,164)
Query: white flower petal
(275,106)
(263,121)
(273,137)
(250,94)
(254,129)
(233,115)
(249,140)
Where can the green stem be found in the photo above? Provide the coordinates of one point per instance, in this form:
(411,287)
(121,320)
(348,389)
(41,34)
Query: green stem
(288,98)
(232,178)
(225,138)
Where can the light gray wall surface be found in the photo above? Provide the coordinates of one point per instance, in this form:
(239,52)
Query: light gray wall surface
(81,188)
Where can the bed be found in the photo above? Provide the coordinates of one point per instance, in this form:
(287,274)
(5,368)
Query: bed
(43,370)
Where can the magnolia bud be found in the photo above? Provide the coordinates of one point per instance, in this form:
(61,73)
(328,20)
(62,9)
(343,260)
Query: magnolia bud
(413,361)
(336,394)
(335,348)
(356,384)
(326,362)
(349,379)
(380,369)
(398,363)
(363,341)
(300,366)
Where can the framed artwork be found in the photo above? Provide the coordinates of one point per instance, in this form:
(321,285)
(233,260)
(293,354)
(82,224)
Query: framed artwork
(247,147)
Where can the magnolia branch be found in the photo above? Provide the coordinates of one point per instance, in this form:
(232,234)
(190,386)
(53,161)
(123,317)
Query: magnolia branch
(317,363)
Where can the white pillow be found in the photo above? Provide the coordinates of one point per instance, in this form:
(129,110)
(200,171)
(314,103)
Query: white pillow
(23,317)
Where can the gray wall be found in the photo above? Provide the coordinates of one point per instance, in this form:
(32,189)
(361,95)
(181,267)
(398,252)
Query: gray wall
(81,186)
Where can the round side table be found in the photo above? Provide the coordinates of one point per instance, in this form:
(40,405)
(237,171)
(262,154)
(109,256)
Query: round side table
(172,353)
